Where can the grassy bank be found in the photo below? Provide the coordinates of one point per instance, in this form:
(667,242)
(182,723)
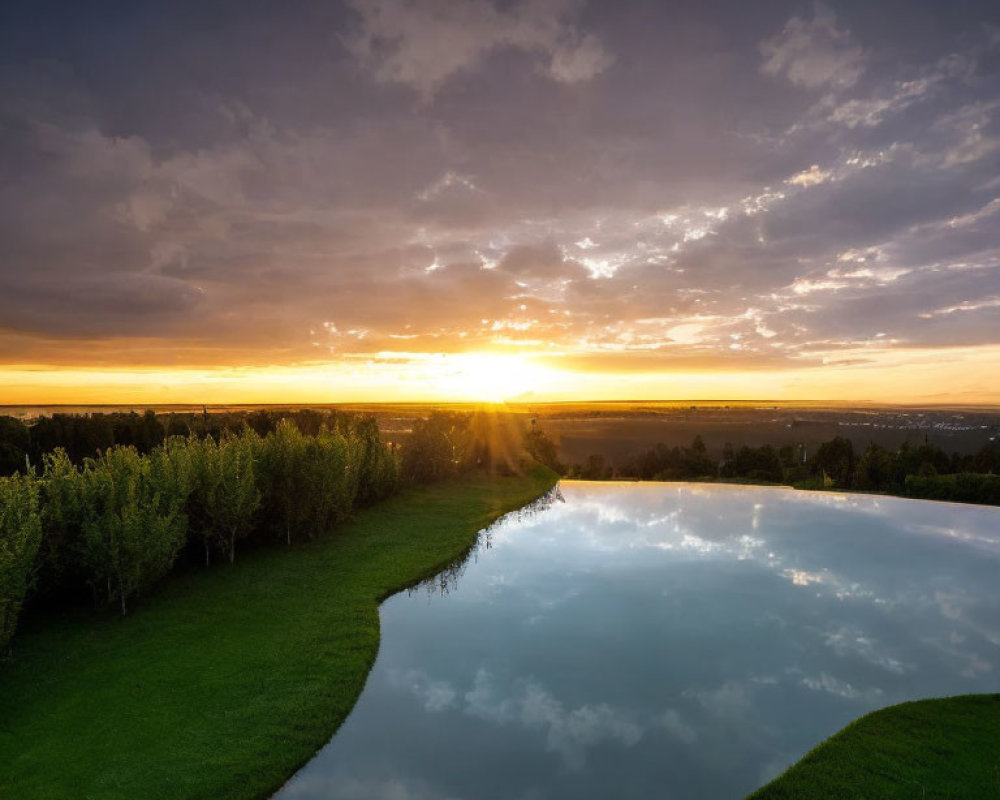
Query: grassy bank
(929,749)
(224,682)
(933,749)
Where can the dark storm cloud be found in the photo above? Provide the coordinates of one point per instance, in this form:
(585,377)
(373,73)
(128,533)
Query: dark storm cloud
(640,184)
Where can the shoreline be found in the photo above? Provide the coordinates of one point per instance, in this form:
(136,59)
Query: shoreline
(224,683)
(748,485)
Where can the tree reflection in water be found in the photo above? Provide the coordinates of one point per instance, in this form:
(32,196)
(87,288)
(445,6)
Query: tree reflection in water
(446,581)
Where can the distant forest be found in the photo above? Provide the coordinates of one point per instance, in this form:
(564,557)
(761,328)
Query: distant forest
(84,436)
(925,471)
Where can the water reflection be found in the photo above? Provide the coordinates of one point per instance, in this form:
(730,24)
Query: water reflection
(447,579)
(678,641)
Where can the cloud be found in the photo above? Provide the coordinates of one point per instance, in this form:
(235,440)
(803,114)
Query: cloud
(675,725)
(973,132)
(544,260)
(580,60)
(828,683)
(118,303)
(626,228)
(851,643)
(814,53)
(569,733)
(424,43)
(433,695)
(870,112)
(810,177)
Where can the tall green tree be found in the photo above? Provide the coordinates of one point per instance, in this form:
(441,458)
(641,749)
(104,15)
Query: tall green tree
(132,529)
(20,537)
(835,460)
(332,467)
(376,464)
(436,447)
(874,470)
(63,510)
(225,491)
(283,479)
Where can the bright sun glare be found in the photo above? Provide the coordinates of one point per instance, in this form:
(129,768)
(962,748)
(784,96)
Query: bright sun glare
(493,378)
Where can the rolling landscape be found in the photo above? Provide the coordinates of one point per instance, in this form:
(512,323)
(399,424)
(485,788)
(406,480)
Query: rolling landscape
(500,400)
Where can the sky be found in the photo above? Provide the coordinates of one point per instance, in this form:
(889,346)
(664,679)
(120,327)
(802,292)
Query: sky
(321,201)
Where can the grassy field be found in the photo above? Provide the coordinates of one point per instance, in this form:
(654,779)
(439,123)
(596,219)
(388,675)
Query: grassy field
(226,681)
(927,749)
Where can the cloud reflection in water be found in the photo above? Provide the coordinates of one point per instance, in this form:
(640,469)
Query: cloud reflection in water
(676,640)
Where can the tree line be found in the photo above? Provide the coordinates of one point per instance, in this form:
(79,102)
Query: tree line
(923,471)
(110,525)
(86,435)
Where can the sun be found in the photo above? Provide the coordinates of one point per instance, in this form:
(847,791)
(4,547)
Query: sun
(492,378)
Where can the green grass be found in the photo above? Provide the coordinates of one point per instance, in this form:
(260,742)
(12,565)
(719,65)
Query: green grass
(227,680)
(933,749)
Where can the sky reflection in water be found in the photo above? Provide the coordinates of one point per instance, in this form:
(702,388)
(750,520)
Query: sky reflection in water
(671,640)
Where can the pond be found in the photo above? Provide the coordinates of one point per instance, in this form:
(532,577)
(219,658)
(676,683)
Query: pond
(639,640)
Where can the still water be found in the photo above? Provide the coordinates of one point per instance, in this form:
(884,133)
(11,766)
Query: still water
(665,640)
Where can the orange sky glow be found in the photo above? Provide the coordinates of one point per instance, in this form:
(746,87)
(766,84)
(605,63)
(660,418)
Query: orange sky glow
(966,375)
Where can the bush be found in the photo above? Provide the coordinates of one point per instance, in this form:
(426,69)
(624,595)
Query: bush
(20,536)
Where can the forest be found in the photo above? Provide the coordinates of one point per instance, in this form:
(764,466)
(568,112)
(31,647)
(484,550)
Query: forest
(105,506)
(923,471)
